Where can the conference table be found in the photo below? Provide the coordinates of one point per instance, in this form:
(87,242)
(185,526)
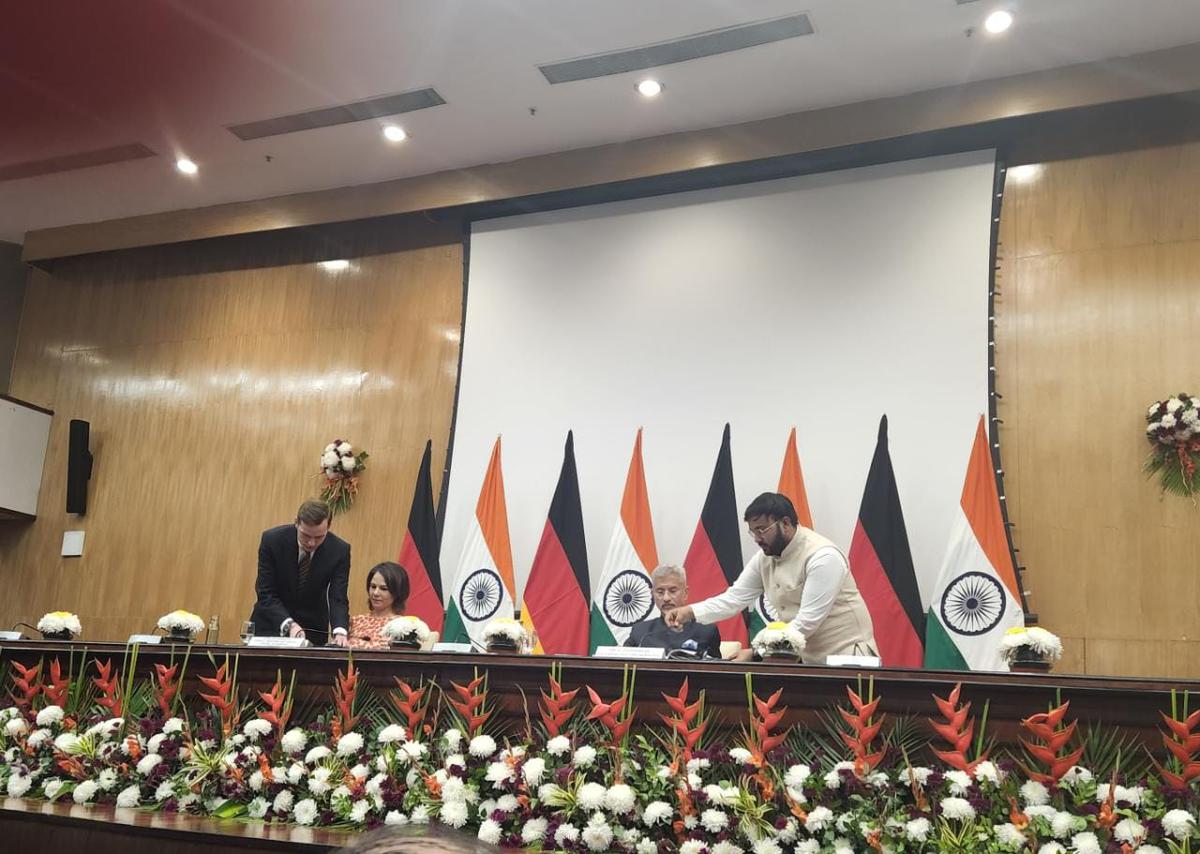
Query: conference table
(514,681)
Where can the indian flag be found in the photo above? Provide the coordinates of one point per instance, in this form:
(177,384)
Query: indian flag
(791,484)
(482,589)
(623,597)
(977,599)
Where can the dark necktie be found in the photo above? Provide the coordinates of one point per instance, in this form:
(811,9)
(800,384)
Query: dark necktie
(305,564)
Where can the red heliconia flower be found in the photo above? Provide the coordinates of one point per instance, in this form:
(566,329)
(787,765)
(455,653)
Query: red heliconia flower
(556,709)
(862,733)
(165,687)
(57,689)
(472,704)
(27,683)
(221,695)
(763,721)
(957,729)
(411,702)
(609,714)
(1047,728)
(108,683)
(1184,745)
(345,689)
(279,706)
(681,721)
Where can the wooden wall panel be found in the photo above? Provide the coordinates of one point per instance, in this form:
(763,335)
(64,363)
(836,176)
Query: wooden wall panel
(213,375)
(1100,273)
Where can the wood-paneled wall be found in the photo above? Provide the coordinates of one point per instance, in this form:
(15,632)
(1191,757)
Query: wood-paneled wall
(1098,317)
(213,374)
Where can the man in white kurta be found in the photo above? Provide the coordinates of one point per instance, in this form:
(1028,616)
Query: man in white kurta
(807,582)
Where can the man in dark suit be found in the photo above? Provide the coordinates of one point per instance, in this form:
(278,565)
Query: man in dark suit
(303,571)
(668,586)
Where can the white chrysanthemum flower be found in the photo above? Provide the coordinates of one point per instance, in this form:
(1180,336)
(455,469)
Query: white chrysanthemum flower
(597,835)
(148,763)
(50,787)
(987,772)
(533,770)
(957,808)
(766,846)
(257,728)
(808,846)
(507,803)
(534,830)
(1178,823)
(1034,794)
(258,807)
(19,784)
(647,846)
(360,771)
(620,799)
(714,821)
(305,812)
(395,817)
(796,776)
(1008,835)
(155,742)
(317,754)
(960,782)
(657,811)
(453,738)
(358,812)
(293,741)
(255,781)
(318,781)
(130,796)
(917,830)
(558,745)
(37,738)
(482,746)
(295,773)
(1052,848)
(1149,849)
(1085,843)
(172,725)
(691,846)
(107,779)
(391,733)
(727,847)
(1063,825)
(566,833)
(740,755)
(1041,811)
(85,791)
(489,832)
(283,802)
(842,845)
(695,766)
(818,819)
(454,813)
(584,756)
(591,796)
(66,742)
(499,772)
(165,791)
(349,744)
(917,774)
(1130,831)
(49,716)
(419,815)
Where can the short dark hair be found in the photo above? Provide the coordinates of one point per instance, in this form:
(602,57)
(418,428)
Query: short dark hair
(313,512)
(773,504)
(396,578)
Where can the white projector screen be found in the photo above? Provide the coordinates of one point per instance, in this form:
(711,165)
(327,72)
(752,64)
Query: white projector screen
(820,302)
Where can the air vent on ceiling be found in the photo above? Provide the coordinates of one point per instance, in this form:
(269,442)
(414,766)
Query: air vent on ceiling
(679,50)
(371,108)
(80,160)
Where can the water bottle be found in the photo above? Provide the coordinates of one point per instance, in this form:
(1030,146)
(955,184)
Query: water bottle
(213,635)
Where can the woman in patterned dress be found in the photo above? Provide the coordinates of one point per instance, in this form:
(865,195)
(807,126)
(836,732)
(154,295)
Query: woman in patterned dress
(387,594)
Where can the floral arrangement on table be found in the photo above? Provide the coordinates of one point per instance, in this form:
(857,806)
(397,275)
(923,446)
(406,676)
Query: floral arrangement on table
(181,624)
(341,467)
(60,624)
(578,777)
(778,640)
(505,634)
(1030,643)
(1173,431)
(406,631)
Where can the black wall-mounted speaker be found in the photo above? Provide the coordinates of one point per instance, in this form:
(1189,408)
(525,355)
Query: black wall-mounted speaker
(79,466)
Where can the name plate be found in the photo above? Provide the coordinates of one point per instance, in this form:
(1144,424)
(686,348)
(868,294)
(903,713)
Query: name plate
(643,653)
(10,636)
(853,661)
(269,642)
(448,646)
(144,639)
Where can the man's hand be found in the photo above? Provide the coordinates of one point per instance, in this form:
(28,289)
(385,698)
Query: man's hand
(294,630)
(677,618)
(338,638)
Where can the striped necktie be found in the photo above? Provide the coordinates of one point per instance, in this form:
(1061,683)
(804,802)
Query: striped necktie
(305,564)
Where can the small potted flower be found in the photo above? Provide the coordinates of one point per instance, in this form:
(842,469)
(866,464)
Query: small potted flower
(181,626)
(1030,649)
(405,632)
(778,640)
(506,636)
(59,625)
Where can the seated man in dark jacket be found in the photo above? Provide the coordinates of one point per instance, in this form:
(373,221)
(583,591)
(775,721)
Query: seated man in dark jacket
(670,590)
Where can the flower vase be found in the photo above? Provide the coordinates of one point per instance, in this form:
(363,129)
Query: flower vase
(1028,660)
(64,635)
(783,655)
(180,635)
(409,644)
(502,646)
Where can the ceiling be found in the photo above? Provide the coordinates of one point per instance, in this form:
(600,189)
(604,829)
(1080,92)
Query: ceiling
(172,74)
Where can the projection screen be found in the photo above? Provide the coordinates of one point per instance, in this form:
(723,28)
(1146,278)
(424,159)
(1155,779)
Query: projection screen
(819,302)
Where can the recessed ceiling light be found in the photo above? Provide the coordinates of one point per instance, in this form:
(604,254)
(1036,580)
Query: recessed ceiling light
(1026,172)
(186,166)
(394,133)
(649,88)
(998,21)
(336,265)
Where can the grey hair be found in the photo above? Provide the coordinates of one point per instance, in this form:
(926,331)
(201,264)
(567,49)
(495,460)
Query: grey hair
(661,572)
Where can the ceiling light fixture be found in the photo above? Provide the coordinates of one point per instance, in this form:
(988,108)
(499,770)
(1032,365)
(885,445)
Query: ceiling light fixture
(186,166)
(394,133)
(649,88)
(336,265)
(998,21)
(1025,173)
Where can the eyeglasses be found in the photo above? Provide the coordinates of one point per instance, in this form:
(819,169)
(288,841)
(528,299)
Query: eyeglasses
(759,533)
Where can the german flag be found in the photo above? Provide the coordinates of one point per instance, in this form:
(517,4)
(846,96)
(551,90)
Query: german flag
(419,551)
(882,565)
(714,560)
(557,593)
